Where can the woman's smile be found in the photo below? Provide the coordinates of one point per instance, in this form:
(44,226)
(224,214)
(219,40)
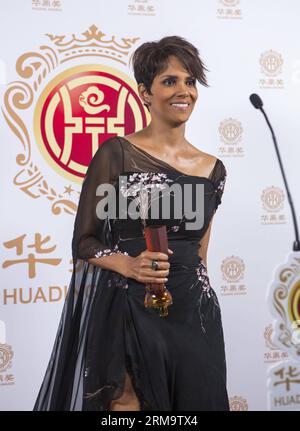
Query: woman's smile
(181,107)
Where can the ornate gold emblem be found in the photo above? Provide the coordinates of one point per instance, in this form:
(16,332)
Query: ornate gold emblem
(233,269)
(231,131)
(269,337)
(272,199)
(238,404)
(284,299)
(73,111)
(271,63)
(6,355)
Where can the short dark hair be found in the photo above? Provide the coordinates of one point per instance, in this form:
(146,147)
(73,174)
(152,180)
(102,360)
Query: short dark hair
(151,58)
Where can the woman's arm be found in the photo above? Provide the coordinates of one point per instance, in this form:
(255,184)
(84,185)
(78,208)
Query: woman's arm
(204,244)
(91,236)
(138,267)
(116,262)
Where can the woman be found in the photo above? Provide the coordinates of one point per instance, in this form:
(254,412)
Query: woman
(111,352)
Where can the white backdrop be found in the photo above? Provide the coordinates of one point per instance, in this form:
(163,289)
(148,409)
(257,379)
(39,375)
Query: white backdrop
(249,46)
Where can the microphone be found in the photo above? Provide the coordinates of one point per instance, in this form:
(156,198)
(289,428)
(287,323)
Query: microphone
(256,101)
(258,104)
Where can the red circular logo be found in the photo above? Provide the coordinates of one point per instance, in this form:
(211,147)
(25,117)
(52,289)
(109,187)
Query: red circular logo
(81,108)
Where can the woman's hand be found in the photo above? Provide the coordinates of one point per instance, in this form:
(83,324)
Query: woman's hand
(140,269)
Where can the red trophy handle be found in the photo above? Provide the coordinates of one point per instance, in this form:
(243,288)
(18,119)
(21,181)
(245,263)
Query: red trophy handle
(157,295)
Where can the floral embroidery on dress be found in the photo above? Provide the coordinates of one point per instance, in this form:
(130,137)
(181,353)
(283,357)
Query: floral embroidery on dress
(118,280)
(221,185)
(203,277)
(108,252)
(205,291)
(219,189)
(140,185)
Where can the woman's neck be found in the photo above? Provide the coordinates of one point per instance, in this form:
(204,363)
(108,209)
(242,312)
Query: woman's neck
(167,137)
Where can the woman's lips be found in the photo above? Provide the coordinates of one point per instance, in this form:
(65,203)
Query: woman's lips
(181,107)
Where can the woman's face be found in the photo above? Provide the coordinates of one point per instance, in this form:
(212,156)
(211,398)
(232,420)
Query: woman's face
(174,93)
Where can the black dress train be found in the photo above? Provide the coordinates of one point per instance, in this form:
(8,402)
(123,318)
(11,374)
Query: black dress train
(175,362)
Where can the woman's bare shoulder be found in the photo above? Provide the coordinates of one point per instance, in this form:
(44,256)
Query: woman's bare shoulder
(205,161)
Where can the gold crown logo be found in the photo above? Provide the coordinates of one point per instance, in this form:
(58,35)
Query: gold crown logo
(92,43)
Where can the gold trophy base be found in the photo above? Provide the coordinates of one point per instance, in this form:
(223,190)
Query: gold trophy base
(157,295)
(158,298)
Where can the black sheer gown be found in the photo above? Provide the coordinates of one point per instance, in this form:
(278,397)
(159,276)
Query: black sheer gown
(175,362)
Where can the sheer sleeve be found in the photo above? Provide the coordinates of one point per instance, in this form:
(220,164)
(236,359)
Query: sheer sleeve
(219,180)
(91,235)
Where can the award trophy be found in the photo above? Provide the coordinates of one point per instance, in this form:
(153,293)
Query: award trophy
(157,295)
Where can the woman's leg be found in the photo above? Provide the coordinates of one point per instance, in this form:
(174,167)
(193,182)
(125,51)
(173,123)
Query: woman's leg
(128,401)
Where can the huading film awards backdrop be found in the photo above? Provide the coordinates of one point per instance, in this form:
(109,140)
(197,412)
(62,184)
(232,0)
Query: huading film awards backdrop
(54,56)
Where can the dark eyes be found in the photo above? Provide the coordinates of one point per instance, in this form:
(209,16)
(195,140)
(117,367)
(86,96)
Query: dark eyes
(172,80)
